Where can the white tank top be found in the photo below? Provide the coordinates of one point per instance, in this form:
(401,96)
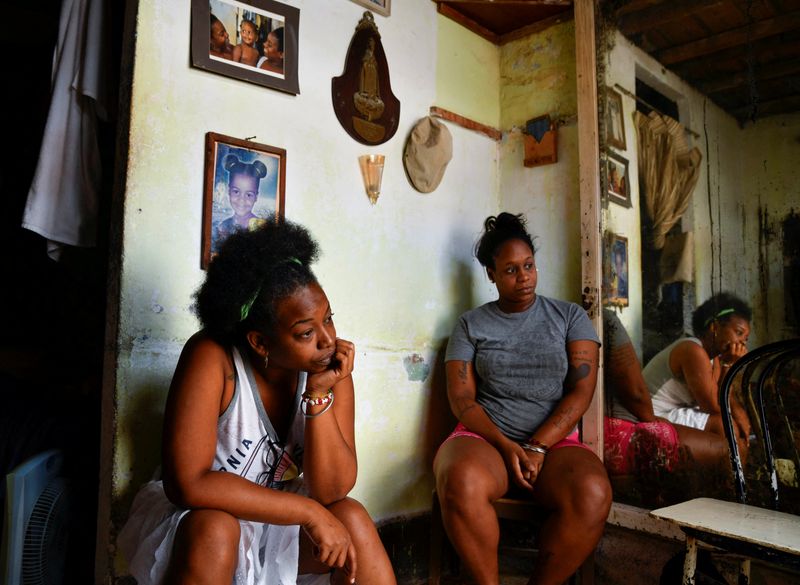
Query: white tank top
(247,443)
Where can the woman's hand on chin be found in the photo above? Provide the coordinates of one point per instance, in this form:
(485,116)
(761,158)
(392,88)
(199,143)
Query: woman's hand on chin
(340,367)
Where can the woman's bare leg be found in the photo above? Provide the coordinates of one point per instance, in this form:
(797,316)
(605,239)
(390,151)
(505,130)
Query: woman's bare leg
(704,447)
(206,549)
(372,562)
(714,425)
(574,486)
(470,475)
(374,567)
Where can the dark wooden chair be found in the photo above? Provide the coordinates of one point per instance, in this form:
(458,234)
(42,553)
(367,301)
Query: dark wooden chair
(760,532)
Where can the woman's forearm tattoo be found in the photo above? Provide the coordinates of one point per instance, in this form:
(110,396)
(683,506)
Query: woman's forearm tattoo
(564,418)
(462,372)
(463,405)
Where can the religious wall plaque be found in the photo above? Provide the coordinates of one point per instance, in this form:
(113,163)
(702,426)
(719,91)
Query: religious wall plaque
(362,96)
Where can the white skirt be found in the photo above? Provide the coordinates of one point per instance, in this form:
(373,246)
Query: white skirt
(674,402)
(268,553)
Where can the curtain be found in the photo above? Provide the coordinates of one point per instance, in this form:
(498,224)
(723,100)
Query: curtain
(668,171)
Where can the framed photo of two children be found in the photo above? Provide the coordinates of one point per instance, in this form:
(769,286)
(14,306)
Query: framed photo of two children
(253,40)
(245,184)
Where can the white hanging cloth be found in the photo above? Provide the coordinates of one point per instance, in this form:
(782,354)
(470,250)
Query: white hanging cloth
(62,201)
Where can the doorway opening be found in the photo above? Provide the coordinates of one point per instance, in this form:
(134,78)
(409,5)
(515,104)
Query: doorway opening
(666,308)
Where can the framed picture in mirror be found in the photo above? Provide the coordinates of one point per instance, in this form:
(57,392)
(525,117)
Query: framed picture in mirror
(615,273)
(615,120)
(619,188)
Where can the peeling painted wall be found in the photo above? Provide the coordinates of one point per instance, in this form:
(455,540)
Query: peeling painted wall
(538,78)
(770,194)
(468,74)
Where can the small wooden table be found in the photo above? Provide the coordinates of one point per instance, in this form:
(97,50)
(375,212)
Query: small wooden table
(746,530)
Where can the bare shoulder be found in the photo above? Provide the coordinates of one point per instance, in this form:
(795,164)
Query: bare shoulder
(203,354)
(688,349)
(688,354)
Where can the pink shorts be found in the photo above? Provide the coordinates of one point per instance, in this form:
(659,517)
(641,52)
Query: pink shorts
(571,440)
(638,447)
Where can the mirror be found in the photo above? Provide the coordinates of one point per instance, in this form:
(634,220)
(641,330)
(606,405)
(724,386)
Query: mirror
(736,231)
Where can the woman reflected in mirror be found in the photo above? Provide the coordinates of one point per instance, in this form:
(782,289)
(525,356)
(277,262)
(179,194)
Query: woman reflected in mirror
(652,461)
(684,378)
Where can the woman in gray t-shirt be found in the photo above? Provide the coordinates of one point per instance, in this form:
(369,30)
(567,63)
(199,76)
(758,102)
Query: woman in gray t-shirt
(521,372)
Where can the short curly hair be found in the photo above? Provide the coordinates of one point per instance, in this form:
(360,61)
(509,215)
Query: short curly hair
(720,307)
(496,232)
(254,270)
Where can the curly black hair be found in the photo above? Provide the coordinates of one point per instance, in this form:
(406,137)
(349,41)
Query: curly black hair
(720,307)
(256,269)
(496,232)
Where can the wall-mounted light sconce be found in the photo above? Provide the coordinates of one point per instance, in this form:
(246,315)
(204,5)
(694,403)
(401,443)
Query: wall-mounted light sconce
(372,172)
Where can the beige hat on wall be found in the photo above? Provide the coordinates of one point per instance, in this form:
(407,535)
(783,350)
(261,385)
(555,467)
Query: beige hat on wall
(428,150)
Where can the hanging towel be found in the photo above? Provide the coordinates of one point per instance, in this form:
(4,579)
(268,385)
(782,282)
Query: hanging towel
(62,201)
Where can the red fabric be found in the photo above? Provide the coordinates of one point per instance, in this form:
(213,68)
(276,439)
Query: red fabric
(635,447)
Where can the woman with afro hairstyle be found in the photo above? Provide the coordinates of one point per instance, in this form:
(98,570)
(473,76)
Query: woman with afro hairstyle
(258,449)
(521,372)
(684,377)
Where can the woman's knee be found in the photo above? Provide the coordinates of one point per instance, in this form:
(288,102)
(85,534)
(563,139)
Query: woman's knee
(465,483)
(354,516)
(585,493)
(201,531)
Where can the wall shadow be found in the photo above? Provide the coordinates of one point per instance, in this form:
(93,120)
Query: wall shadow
(438,420)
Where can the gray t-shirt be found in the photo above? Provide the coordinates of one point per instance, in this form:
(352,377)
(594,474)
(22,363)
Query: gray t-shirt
(520,359)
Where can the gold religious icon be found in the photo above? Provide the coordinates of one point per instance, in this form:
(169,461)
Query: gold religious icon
(362,95)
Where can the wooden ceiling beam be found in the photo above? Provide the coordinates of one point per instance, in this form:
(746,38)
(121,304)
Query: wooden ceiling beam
(536,27)
(782,105)
(727,39)
(468,23)
(634,5)
(763,73)
(655,16)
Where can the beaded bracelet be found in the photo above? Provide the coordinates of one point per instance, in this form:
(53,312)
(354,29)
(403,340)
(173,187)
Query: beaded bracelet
(534,448)
(323,411)
(319,401)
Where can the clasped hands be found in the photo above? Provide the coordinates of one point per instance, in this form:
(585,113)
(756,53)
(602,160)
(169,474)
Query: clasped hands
(523,466)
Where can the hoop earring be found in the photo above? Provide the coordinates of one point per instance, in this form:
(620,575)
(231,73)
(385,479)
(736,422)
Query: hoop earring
(266,361)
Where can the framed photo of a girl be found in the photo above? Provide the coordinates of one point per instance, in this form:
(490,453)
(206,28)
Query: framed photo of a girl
(615,273)
(245,184)
(255,41)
